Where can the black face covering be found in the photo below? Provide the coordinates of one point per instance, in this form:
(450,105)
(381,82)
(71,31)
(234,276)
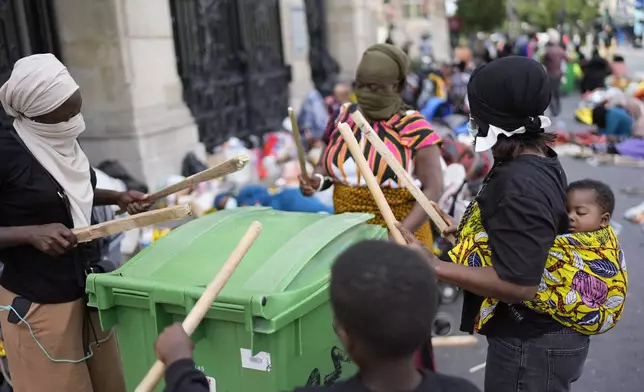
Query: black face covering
(509,93)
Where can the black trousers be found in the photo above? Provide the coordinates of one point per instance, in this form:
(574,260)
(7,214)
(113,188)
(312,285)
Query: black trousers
(548,363)
(555,102)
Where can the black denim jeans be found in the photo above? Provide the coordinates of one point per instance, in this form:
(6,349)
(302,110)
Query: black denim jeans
(548,363)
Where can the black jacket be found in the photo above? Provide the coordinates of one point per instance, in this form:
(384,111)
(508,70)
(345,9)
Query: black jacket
(182,376)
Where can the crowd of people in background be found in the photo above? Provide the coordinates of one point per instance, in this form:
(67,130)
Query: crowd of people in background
(489,104)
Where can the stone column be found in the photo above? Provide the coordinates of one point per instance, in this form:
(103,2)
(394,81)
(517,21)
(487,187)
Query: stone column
(352,28)
(295,40)
(121,53)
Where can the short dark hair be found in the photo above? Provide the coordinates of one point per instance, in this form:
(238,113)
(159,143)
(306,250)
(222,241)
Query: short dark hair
(508,147)
(384,295)
(605,197)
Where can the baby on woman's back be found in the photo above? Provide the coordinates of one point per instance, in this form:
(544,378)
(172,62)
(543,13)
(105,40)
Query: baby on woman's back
(590,205)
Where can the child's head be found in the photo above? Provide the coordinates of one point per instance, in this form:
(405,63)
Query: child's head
(384,298)
(590,205)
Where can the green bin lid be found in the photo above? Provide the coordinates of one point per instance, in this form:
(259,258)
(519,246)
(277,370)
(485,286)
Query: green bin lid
(289,261)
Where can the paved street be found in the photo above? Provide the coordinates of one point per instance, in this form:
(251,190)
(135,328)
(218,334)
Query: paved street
(616,360)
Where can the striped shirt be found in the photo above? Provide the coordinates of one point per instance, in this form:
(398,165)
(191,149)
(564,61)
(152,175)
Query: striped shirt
(403,134)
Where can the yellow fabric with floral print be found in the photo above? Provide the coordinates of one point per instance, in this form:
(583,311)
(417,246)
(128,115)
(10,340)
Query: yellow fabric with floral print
(583,284)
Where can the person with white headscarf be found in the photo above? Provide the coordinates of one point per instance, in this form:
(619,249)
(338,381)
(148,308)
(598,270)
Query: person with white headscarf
(519,211)
(47,188)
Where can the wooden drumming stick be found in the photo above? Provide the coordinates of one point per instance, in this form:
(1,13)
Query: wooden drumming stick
(451,341)
(204,303)
(298,143)
(230,166)
(132,222)
(372,183)
(406,178)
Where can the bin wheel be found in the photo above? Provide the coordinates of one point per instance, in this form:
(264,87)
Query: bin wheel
(443,324)
(448,294)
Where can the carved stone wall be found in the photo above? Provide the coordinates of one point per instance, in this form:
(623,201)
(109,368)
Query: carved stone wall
(122,54)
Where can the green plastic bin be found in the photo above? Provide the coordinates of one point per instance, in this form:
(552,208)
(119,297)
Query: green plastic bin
(270,329)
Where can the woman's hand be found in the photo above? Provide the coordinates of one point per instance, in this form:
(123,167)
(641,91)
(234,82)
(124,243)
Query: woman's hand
(173,345)
(416,245)
(134,202)
(308,186)
(54,239)
(452,226)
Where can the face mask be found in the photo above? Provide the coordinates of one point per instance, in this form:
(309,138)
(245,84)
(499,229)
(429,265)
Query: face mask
(230,203)
(71,128)
(378,106)
(61,136)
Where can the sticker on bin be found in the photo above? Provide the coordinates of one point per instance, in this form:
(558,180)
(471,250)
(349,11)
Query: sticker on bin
(260,361)
(212,384)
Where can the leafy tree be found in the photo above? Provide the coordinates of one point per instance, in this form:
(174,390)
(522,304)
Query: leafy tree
(545,14)
(480,15)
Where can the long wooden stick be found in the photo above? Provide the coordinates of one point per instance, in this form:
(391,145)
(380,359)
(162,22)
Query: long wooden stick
(205,301)
(451,341)
(372,183)
(406,178)
(230,166)
(298,143)
(132,222)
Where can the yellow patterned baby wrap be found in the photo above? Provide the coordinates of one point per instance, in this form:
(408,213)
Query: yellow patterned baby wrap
(583,284)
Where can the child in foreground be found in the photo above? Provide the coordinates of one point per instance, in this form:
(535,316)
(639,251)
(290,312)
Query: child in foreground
(590,205)
(384,298)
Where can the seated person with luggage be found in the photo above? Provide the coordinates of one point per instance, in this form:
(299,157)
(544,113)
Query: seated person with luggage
(384,298)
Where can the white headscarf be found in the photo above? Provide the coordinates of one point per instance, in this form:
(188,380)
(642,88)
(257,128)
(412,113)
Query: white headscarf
(484,143)
(39,84)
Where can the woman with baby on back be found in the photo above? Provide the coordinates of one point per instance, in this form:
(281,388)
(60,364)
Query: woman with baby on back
(557,274)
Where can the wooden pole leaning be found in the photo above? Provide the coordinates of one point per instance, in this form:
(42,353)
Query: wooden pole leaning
(117,226)
(301,157)
(230,166)
(454,341)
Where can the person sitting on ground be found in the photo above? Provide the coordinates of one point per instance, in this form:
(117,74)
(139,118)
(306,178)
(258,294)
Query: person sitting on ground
(384,298)
(613,122)
(590,205)
(633,106)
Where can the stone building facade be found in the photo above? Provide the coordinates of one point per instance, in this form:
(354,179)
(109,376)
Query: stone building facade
(413,18)
(123,54)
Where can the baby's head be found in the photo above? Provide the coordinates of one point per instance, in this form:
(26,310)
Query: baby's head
(590,205)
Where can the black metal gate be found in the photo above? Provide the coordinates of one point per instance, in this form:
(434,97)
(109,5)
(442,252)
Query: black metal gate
(27,27)
(324,69)
(231,63)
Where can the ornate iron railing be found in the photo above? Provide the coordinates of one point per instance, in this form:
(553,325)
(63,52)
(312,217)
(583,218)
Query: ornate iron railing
(27,27)
(231,63)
